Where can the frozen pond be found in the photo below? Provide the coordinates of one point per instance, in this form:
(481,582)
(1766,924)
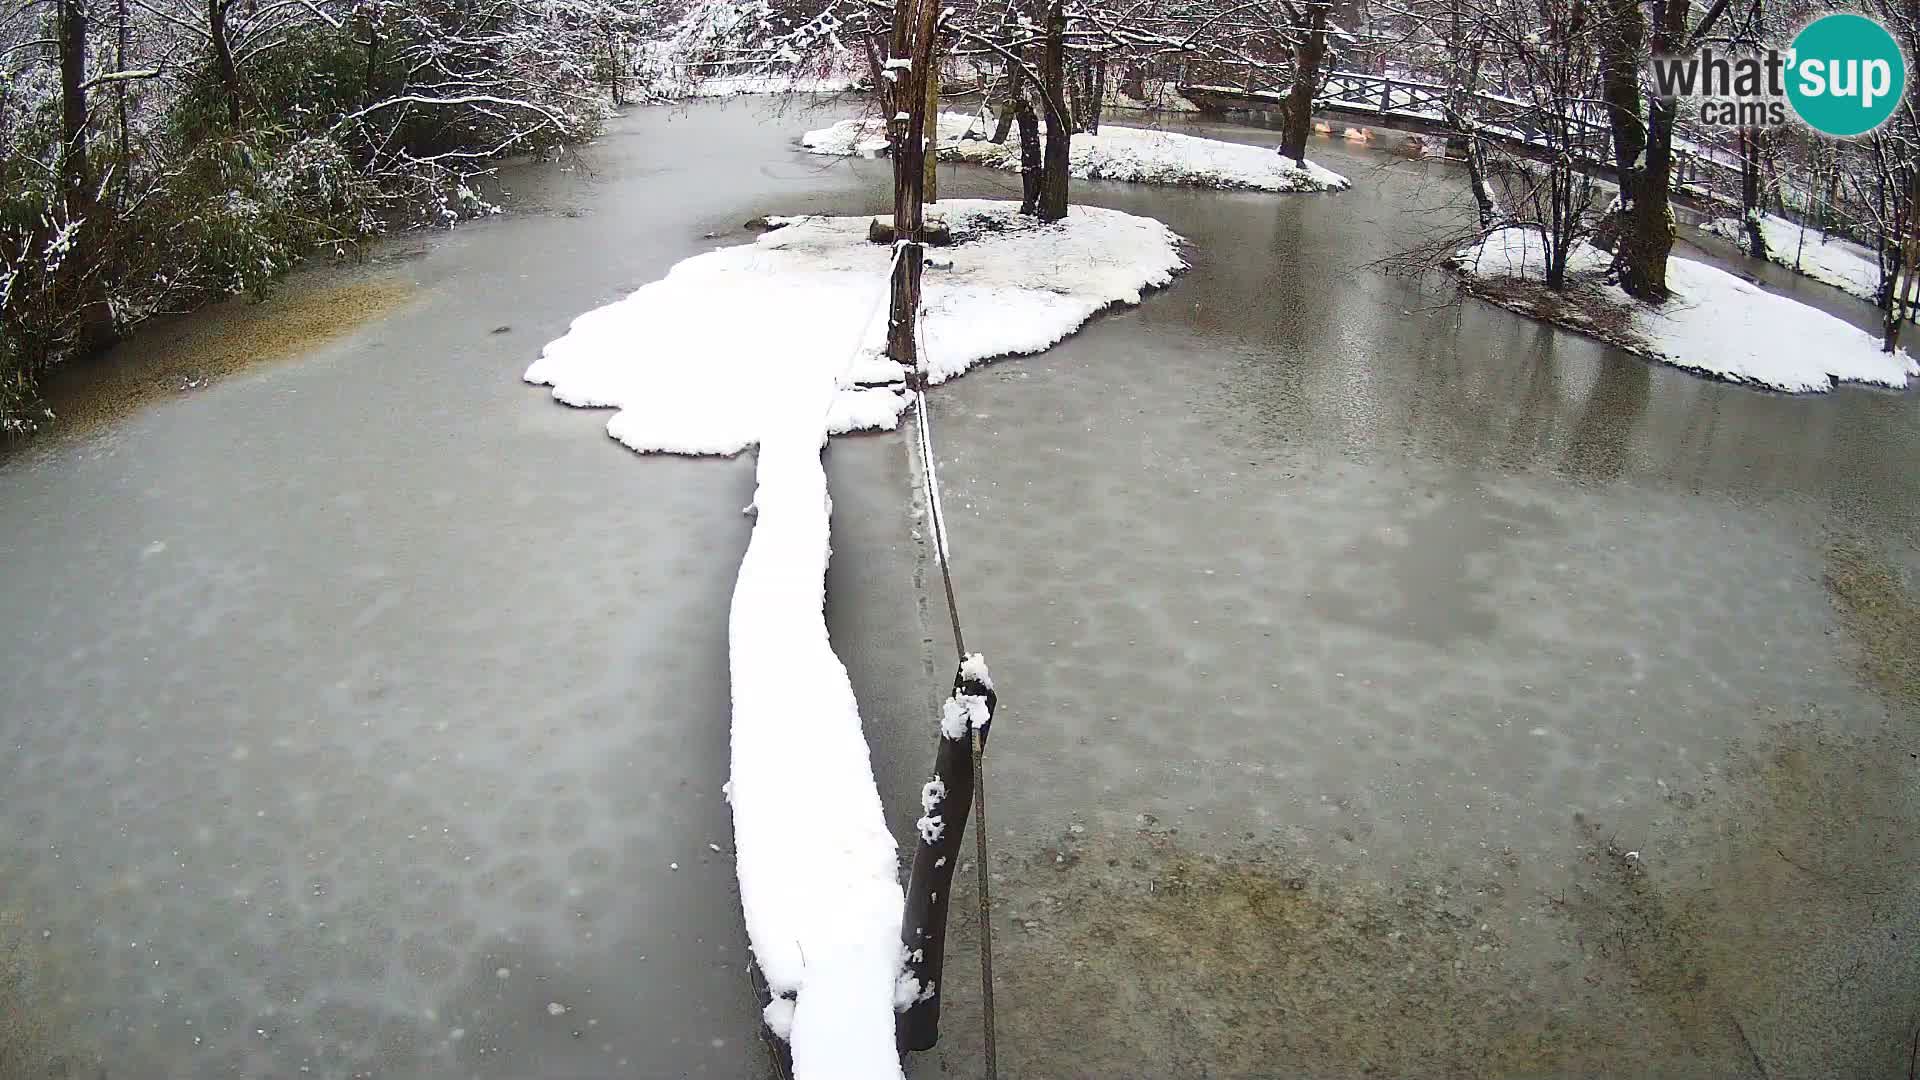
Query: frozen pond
(366,713)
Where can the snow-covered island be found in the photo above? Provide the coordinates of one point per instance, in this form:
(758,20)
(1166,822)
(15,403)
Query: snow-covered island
(1139,155)
(778,343)
(1714,323)
(705,359)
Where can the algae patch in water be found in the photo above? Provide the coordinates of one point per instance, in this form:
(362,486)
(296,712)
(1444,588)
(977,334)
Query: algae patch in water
(1245,965)
(1759,928)
(32,1022)
(1881,614)
(189,352)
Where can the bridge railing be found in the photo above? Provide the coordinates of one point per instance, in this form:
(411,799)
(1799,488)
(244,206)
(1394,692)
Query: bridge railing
(1583,130)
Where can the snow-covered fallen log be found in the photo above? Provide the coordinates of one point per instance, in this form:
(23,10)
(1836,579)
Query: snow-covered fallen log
(1140,155)
(765,343)
(1714,323)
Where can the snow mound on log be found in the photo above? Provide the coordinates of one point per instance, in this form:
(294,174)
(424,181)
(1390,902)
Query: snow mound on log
(767,343)
(1139,155)
(701,361)
(1715,324)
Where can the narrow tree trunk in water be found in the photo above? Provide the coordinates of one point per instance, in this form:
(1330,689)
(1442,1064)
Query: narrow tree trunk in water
(1308,55)
(1053,170)
(223,58)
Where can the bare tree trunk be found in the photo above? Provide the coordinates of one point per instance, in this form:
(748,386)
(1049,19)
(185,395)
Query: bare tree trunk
(1053,171)
(223,65)
(1097,100)
(76,173)
(1750,191)
(1906,256)
(1077,99)
(121,40)
(1646,235)
(616,65)
(83,291)
(1030,161)
(1646,239)
(1009,105)
(913,32)
(1621,40)
(931,182)
(1309,53)
(1463,79)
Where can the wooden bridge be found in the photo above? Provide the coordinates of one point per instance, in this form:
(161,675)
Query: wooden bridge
(1522,127)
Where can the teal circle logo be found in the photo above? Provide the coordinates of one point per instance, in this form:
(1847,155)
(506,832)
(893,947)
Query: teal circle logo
(1848,75)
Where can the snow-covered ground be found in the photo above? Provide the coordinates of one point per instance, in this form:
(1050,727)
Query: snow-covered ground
(1141,155)
(765,343)
(1714,323)
(1831,260)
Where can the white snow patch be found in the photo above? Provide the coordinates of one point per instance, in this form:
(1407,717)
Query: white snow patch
(779,1016)
(931,828)
(1141,155)
(931,793)
(953,719)
(1715,323)
(974,668)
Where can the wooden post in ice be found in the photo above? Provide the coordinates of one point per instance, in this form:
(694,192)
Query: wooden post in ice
(945,803)
(914,27)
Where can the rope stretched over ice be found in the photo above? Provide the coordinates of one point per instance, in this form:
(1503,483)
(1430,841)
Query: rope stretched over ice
(924,428)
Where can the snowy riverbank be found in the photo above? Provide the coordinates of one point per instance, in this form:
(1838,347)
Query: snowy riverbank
(768,343)
(1139,155)
(1715,324)
(1829,260)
